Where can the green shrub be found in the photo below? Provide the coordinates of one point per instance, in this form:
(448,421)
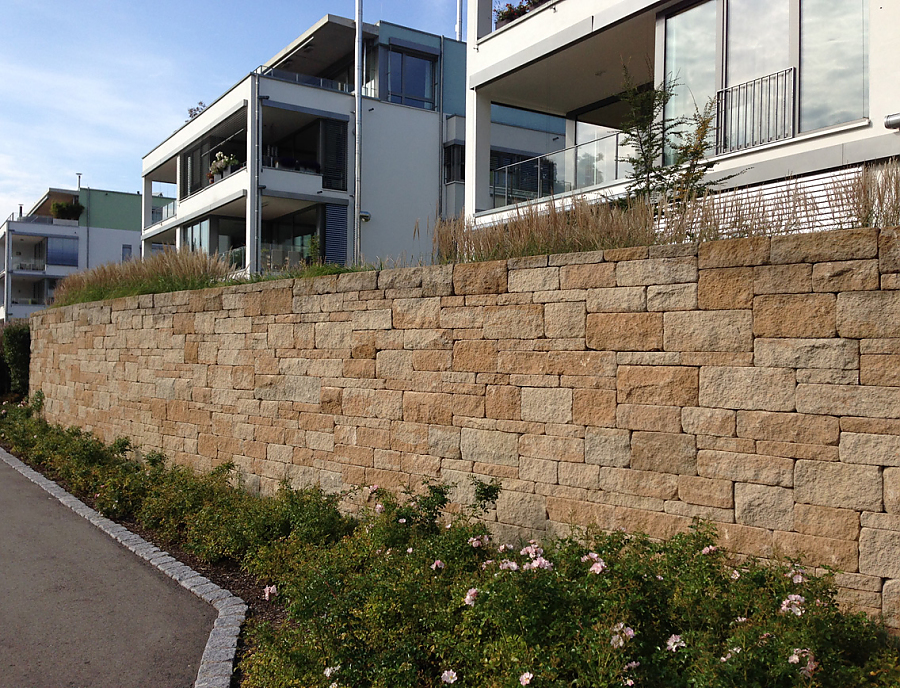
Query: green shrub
(17,354)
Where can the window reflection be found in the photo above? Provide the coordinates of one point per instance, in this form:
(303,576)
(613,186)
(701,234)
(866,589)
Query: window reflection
(758,39)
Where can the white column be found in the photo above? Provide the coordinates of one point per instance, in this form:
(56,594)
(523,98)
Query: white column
(146,203)
(254,225)
(478,116)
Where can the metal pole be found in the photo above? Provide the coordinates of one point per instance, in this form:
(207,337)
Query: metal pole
(357,199)
(459,20)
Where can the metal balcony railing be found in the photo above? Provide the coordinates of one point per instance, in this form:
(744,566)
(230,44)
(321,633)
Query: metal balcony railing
(34,264)
(579,167)
(756,112)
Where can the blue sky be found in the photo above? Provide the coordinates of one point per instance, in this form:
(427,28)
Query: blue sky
(93,86)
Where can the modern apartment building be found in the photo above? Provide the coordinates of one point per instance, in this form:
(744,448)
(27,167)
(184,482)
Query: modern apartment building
(265,174)
(39,249)
(801,88)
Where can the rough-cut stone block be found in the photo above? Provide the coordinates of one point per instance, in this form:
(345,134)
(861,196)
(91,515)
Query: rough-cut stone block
(747,468)
(794,315)
(650,418)
(535,279)
(630,253)
(333,335)
(855,244)
(480,278)
(617,300)
(708,331)
(371,320)
(879,553)
(658,385)
(782,279)
(514,322)
(474,356)
(707,513)
(594,407)
(725,289)
(607,447)
(827,376)
(806,353)
(892,490)
(655,524)
(788,427)
(664,452)
(538,470)
(890,603)
(875,450)
(840,554)
(647,358)
(868,314)
(766,389)
(568,449)
(764,506)
(642,483)
(850,275)
(625,331)
(593,363)
(839,485)
(522,362)
(462,317)
(437,280)
(502,401)
(889,250)
(708,421)
(563,510)
(546,405)
(524,510)
(590,276)
(826,521)
(848,400)
(579,475)
(656,271)
(672,297)
(880,369)
(564,320)
(734,253)
(417,313)
(489,446)
(706,491)
(755,542)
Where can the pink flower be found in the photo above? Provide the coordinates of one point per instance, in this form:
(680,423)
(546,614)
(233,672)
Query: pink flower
(331,670)
(269,591)
(475,542)
(470,597)
(438,564)
(632,665)
(735,574)
(379,508)
(538,563)
(598,567)
(674,643)
(793,605)
(401,520)
(709,549)
(590,556)
(486,564)
(409,550)
(507,565)
(532,550)
(448,676)
(796,576)
(525,678)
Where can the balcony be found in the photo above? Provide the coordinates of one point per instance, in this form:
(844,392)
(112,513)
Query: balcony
(32,264)
(755,113)
(580,167)
(163,212)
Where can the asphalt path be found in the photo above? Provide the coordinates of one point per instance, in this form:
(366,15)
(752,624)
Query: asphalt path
(78,610)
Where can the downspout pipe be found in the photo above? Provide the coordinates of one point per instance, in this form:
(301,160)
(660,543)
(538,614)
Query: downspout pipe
(357,191)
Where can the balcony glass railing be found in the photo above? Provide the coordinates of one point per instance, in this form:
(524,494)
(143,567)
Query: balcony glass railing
(368,90)
(277,257)
(34,264)
(291,164)
(163,212)
(579,167)
(20,301)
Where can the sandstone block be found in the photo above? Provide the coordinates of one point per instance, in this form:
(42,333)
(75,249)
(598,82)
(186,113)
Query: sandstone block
(593,363)
(400,278)
(875,450)
(489,446)
(630,253)
(564,320)
(827,376)
(868,314)
(636,482)
(474,356)
(889,250)
(839,485)
(890,281)
(520,509)
(672,297)
(794,315)
(514,322)
(892,490)
(656,271)
(657,525)
(538,470)
(849,400)
(755,542)
(818,247)
(782,279)
(594,407)
(647,358)
(480,278)
(806,353)
(650,418)
(502,402)
(707,513)
(767,389)
(734,252)
(664,452)
(825,521)
(550,447)
(417,313)
(709,331)
(462,317)
(617,300)
(850,275)
(546,405)
(725,289)
(333,335)
(706,491)
(788,427)
(535,279)
(708,421)
(657,385)
(394,365)
(437,280)
(879,553)
(589,276)
(840,554)
(564,510)
(764,506)
(890,603)
(747,468)
(444,442)
(625,331)
(580,475)
(880,369)
(607,447)
(522,362)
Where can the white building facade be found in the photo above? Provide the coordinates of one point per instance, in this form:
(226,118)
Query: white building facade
(800,87)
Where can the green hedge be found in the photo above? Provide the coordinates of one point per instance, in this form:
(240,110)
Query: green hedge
(17,354)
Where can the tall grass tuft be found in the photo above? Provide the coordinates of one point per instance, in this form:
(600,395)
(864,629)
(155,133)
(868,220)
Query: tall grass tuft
(162,272)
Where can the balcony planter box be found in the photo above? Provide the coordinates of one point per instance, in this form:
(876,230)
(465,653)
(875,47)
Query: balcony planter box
(503,22)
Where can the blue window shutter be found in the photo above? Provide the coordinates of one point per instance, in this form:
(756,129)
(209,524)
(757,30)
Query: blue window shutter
(335,234)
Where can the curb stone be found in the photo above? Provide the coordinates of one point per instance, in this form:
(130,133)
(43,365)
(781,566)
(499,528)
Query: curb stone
(217,662)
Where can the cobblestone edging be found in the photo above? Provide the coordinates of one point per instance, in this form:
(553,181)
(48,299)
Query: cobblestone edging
(217,662)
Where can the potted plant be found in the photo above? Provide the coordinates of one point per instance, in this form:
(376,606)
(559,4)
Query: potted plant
(221,163)
(66,211)
(509,12)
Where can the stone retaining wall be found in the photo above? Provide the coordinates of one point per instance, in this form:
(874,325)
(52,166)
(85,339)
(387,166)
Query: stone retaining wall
(752,382)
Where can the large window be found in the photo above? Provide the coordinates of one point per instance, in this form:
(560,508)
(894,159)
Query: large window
(411,80)
(62,251)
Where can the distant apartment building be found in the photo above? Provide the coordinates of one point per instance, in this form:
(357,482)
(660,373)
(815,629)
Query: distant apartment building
(802,89)
(265,174)
(39,249)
